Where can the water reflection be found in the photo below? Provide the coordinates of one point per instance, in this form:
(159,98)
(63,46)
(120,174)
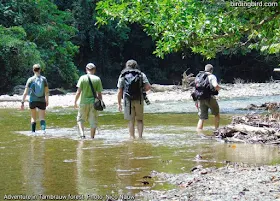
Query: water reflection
(33,166)
(112,165)
(111,171)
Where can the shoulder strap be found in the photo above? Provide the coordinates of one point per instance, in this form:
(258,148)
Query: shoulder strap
(92,89)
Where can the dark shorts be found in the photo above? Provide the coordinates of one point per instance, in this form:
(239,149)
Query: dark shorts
(39,105)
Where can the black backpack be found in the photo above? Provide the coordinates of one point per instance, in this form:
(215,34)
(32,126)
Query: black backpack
(133,84)
(203,88)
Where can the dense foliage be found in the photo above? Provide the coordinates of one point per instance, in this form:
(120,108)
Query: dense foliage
(36,32)
(206,27)
(166,37)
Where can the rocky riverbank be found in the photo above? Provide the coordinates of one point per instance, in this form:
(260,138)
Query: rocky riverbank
(168,93)
(232,182)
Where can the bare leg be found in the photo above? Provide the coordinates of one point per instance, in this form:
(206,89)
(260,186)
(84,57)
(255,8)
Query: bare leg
(131,129)
(81,128)
(200,124)
(42,114)
(33,115)
(140,126)
(92,132)
(217,121)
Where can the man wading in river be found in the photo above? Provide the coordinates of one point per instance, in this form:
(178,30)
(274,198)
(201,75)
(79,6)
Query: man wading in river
(206,87)
(86,110)
(132,85)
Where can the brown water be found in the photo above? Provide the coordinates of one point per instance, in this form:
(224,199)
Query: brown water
(60,164)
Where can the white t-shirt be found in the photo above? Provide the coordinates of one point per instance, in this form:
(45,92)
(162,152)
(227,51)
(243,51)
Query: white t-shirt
(213,80)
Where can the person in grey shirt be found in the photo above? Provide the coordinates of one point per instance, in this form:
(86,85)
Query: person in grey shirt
(133,108)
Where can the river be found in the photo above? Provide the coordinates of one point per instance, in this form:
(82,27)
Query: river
(58,163)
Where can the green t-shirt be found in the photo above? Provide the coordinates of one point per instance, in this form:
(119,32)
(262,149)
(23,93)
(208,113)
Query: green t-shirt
(36,88)
(86,94)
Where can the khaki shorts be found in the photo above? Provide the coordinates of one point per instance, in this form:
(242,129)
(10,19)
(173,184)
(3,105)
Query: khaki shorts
(87,112)
(137,110)
(204,105)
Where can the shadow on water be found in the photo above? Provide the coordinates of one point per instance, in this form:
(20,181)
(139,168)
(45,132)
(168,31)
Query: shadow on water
(59,163)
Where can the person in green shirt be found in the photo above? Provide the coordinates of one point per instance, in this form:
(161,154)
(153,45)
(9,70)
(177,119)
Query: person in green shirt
(37,89)
(86,111)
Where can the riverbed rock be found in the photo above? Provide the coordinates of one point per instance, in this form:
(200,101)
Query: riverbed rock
(57,91)
(19,89)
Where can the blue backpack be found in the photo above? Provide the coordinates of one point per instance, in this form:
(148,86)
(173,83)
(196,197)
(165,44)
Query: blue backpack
(37,87)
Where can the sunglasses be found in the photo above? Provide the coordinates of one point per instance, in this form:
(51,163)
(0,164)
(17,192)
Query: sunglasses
(36,69)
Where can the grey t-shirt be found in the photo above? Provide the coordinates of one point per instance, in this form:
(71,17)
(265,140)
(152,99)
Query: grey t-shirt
(36,88)
(121,82)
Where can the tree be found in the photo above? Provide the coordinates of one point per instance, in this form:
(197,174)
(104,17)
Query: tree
(50,32)
(16,56)
(206,27)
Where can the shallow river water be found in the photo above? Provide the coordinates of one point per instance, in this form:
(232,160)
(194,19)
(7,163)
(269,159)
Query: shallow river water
(59,164)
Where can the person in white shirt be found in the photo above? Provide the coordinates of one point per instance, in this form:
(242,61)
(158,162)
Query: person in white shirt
(211,102)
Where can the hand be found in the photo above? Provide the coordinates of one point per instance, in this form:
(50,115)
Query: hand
(22,106)
(47,103)
(196,104)
(120,107)
(75,106)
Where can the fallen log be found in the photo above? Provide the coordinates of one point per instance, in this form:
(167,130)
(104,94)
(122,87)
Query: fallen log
(274,142)
(163,88)
(251,129)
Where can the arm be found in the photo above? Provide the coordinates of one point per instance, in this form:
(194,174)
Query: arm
(146,83)
(120,93)
(24,97)
(47,95)
(99,90)
(218,88)
(99,95)
(77,96)
(147,86)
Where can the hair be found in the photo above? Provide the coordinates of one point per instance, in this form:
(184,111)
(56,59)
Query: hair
(36,66)
(131,64)
(209,68)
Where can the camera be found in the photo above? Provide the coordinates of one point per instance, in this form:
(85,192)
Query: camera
(146,98)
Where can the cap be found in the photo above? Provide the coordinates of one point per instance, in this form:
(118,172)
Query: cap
(90,66)
(208,68)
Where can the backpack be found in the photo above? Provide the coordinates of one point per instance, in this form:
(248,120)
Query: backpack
(203,88)
(133,84)
(37,87)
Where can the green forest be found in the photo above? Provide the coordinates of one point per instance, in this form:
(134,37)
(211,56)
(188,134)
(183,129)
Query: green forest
(166,37)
